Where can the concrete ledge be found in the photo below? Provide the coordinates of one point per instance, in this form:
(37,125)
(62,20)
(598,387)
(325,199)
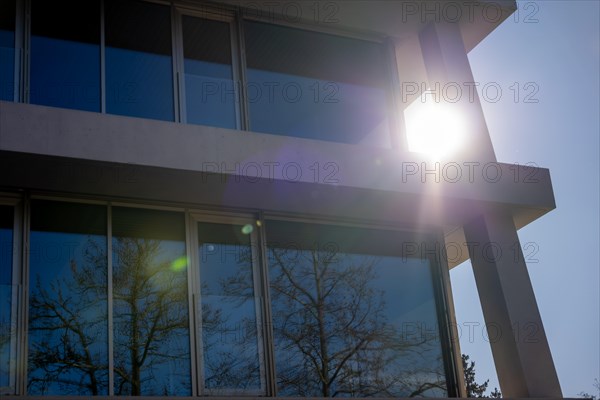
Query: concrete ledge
(252,157)
(52,150)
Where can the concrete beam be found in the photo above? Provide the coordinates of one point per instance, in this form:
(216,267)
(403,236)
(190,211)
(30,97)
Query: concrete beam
(519,345)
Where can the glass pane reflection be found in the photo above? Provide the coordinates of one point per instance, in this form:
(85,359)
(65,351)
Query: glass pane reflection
(151,325)
(229,320)
(209,88)
(7,332)
(68,351)
(139,78)
(317,86)
(7,50)
(65,54)
(348,324)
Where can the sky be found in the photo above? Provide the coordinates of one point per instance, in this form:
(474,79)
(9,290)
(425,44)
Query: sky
(550,49)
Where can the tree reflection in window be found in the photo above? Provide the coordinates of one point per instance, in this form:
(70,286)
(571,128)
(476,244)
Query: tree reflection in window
(7,292)
(68,351)
(151,328)
(347,324)
(68,306)
(230,340)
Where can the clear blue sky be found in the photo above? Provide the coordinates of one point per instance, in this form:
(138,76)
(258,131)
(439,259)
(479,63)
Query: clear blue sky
(555,46)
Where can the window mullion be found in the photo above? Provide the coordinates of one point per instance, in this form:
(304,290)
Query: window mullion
(175,58)
(259,306)
(196,310)
(16,296)
(447,321)
(180,65)
(195,362)
(238,49)
(109,294)
(268,343)
(24,303)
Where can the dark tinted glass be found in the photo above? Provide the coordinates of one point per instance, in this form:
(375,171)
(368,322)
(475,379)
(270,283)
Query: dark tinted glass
(68,330)
(348,322)
(209,88)
(150,303)
(7,333)
(7,49)
(6,244)
(316,86)
(65,54)
(7,23)
(139,77)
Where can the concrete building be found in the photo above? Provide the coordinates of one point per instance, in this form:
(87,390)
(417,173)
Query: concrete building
(224,199)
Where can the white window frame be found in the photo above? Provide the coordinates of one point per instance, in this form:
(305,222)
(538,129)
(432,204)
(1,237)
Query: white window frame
(208,13)
(257,265)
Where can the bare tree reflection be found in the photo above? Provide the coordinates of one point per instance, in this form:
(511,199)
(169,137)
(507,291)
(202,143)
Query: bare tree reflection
(67,325)
(151,317)
(333,337)
(68,318)
(229,325)
(333,331)
(230,356)
(7,334)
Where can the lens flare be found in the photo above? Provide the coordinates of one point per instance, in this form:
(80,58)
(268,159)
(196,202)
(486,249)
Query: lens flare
(247,229)
(179,264)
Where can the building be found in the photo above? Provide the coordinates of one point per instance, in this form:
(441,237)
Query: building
(220,199)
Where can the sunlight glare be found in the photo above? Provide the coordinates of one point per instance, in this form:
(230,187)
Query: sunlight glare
(433,128)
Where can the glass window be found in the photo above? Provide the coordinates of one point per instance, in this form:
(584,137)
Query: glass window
(230,339)
(210,93)
(7,49)
(151,324)
(7,291)
(139,70)
(65,54)
(316,86)
(352,316)
(68,330)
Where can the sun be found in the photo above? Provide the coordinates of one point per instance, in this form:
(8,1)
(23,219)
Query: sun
(435,129)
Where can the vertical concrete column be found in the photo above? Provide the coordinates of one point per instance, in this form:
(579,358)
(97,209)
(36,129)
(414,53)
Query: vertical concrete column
(451,81)
(519,345)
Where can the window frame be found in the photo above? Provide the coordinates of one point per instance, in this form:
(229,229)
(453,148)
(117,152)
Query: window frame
(447,325)
(208,12)
(257,272)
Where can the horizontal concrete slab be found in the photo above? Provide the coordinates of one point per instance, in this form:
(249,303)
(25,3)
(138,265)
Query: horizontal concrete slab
(60,150)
